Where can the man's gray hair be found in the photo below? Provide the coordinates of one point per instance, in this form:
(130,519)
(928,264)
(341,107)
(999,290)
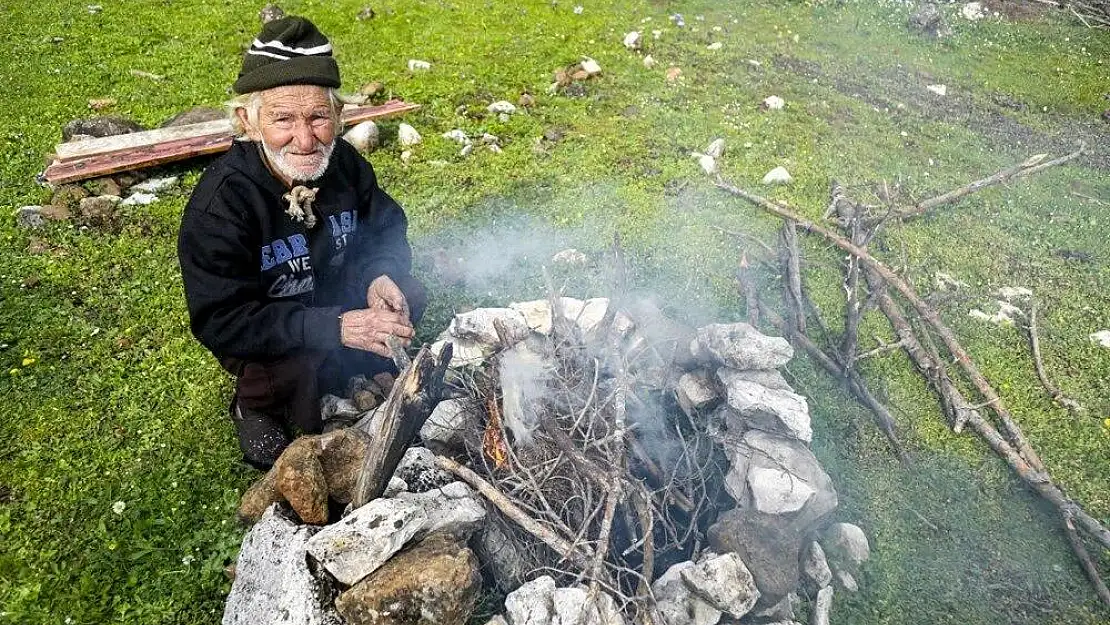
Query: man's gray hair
(252,104)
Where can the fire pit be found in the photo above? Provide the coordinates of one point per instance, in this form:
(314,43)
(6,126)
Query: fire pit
(592,462)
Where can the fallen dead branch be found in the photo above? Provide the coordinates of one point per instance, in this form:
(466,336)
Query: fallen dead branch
(1032,165)
(926,313)
(1013,447)
(1038,364)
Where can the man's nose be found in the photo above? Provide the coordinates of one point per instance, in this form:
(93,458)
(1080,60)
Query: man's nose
(304,138)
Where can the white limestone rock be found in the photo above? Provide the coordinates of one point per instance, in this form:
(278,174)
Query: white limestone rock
(632,40)
(458,136)
(356,546)
(420,472)
(777,411)
(773,103)
(448,423)
(272,580)
(775,491)
(846,544)
(465,352)
(590,66)
(695,393)
(677,603)
(30,217)
(537,314)
(740,346)
(768,378)
(139,199)
(724,582)
(707,163)
(941,90)
(155,185)
(1100,338)
(716,148)
(502,106)
(778,175)
(364,137)
(407,135)
(816,567)
(418,65)
(478,325)
(531,603)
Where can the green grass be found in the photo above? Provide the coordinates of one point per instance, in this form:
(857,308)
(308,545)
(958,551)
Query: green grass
(108,399)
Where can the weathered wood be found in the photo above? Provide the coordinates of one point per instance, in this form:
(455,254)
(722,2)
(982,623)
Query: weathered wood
(100,146)
(109,155)
(415,394)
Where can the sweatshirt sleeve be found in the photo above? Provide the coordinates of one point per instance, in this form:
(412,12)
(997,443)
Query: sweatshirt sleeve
(383,233)
(228,312)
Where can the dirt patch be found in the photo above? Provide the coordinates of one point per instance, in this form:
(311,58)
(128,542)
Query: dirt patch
(1018,10)
(902,93)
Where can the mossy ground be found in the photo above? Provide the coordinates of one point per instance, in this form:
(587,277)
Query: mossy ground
(108,399)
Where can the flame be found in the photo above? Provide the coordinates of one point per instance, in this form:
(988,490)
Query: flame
(493,442)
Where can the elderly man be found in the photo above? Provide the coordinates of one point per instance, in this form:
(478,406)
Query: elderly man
(295,262)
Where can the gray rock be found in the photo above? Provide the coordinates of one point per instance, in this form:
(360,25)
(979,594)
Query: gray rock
(420,472)
(846,544)
(846,581)
(270,12)
(332,407)
(478,325)
(584,314)
(139,199)
(695,393)
(816,567)
(497,619)
(773,410)
(356,546)
(156,185)
(465,352)
(272,580)
(503,558)
(740,346)
(449,422)
(770,378)
(777,491)
(770,544)
(929,21)
(30,217)
(195,115)
(571,606)
(822,606)
(782,613)
(677,603)
(531,603)
(103,126)
(723,582)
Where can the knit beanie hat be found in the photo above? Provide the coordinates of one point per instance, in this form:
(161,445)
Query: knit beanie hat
(288,51)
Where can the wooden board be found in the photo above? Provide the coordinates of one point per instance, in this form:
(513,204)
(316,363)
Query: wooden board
(156,147)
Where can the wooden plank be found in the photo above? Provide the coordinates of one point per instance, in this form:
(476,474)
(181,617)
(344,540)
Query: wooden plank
(148,155)
(117,143)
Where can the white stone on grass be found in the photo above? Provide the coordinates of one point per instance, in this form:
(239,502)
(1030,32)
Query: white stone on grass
(155,185)
(1102,338)
(773,103)
(1011,293)
(139,199)
(30,217)
(632,40)
(458,136)
(502,106)
(415,65)
(590,66)
(778,175)
(716,148)
(941,90)
(708,163)
(407,135)
(778,411)
(815,566)
(973,11)
(364,136)
(716,45)
(537,314)
(649,61)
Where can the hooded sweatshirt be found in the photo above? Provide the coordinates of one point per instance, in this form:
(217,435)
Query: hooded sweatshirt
(259,285)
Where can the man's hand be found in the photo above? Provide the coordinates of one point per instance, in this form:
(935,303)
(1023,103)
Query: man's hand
(369,330)
(384,294)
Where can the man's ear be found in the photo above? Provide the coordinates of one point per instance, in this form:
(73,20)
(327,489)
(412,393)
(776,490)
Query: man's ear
(244,119)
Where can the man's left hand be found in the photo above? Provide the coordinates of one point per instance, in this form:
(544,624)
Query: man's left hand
(384,294)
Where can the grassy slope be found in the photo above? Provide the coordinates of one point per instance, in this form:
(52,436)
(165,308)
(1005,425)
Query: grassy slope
(121,405)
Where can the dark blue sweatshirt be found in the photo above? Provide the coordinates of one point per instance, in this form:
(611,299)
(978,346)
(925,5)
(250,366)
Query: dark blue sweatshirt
(258,284)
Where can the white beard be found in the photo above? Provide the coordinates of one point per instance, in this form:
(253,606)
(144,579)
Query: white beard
(283,167)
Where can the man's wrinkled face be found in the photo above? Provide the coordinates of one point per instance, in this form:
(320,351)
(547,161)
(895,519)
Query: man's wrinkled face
(297,129)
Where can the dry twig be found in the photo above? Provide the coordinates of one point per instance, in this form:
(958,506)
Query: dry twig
(1038,364)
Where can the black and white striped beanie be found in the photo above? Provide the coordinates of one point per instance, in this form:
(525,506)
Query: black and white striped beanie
(288,51)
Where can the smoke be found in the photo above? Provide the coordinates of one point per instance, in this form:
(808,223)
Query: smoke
(524,374)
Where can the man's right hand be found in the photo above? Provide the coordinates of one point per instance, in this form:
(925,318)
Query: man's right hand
(368,330)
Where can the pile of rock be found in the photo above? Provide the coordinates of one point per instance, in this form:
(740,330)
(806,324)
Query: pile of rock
(416,554)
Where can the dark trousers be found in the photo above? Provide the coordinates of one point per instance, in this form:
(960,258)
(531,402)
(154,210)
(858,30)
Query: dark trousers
(274,397)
